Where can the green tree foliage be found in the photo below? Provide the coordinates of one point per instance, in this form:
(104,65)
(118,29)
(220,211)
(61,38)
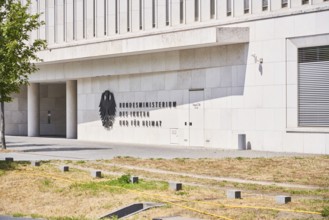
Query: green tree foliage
(18,54)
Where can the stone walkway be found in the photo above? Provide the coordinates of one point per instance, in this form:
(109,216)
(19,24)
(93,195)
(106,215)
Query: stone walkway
(42,148)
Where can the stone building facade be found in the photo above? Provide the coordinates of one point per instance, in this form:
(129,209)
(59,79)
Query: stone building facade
(181,72)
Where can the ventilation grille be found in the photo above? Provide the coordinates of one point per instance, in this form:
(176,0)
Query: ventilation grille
(313,93)
(313,54)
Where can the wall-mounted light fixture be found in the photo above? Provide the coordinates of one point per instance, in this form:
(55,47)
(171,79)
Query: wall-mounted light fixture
(260,60)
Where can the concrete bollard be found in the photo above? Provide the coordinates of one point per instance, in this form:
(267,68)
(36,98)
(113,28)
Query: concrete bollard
(175,186)
(96,174)
(35,163)
(64,168)
(282,199)
(233,194)
(9,159)
(134,179)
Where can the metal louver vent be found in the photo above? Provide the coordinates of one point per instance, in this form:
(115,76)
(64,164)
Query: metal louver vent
(313,87)
(313,54)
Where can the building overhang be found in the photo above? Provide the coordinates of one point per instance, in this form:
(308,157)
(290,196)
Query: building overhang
(141,44)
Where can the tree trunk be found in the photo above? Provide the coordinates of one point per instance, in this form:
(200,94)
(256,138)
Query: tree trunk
(2,123)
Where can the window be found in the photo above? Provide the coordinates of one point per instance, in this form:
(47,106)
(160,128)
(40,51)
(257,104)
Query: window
(265,5)
(140,14)
(313,87)
(228,7)
(47,19)
(167,13)
(212,9)
(116,16)
(105,17)
(64,20)
(181,11)
(153,13)
(74,19)
(84,20)
(284,3)
(128,15)
(304,2)
(55,22)
(94,18)
(246,6)
(196,10)
(38,11)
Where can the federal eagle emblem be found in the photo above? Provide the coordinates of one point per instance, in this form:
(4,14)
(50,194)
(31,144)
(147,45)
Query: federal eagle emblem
(107,109)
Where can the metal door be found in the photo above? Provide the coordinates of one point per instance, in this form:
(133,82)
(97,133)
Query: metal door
(196,117)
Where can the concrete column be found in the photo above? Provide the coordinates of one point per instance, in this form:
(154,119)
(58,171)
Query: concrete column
(71,109)
(33,110)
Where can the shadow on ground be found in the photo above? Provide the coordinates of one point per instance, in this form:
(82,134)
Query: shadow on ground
(28,145)
(64,149)
(9,166)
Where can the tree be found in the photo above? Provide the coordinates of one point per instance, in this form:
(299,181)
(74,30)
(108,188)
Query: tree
(18,54)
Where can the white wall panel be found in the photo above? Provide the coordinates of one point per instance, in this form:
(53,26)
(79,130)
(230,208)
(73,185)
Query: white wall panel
(256,7)
(135,15)
(205,10)
(161,12)
(296,3)
(123,16)
(148,14)
(189,11)
(42,10)
(16,114)
(221,9)
(111,25)
(50,22)
(98,13)
(238,8)
(59,26)
(175,19)
(90,19)
(33,10)
(79,19)
(69,20)
(276,5)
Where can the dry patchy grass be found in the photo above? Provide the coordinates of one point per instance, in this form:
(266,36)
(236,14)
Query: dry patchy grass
(271,189)
(298,170)
(45,191)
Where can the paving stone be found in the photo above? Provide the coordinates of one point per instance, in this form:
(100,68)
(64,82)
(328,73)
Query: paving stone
(162,151)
